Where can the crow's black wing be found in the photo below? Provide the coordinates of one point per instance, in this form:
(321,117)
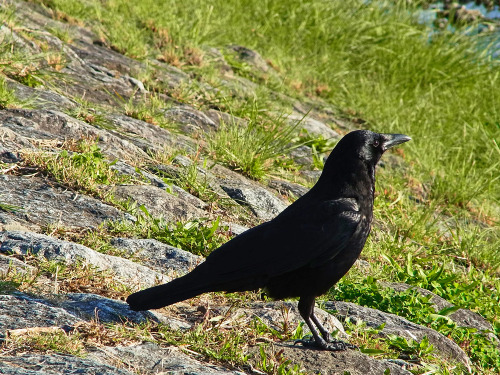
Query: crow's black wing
(305,236)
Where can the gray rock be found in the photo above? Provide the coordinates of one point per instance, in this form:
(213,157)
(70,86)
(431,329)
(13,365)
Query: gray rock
(313,127)
(350,362)
(159,203)
(21,311)
(214,57)
(91,306)
(288,188)
(140,174)
(219,117)
(149,137)
(311,176)
(399,326)
(156,255)
(264,204)
(48,124)
(204,177)
(9,222)
(302,155)
(42,204)
(40,364)
(12,266)
(191,119)
(251,57)
(149,358)
(38,97)
(234,228)
(124,270)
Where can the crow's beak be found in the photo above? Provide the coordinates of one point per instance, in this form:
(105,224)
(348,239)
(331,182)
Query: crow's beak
(391,140)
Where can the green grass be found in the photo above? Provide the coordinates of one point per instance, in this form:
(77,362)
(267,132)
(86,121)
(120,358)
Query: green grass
(7,97)
(199,236)
(149,108)
(84,167)
(417,308)
(252,149)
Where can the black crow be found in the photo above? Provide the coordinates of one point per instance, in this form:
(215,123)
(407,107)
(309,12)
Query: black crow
(304,250)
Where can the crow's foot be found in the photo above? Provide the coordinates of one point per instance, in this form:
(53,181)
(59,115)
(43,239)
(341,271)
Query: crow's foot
(333,345)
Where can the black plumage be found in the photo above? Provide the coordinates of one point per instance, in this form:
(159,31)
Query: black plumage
(304,250)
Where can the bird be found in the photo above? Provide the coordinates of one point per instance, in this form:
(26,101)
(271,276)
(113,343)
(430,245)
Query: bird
(302,252)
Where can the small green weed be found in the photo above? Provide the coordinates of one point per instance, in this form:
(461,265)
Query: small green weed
(479,293)
(198,236)
(55,342)
(320,146)
(8,98)
(84,169)
(9,207)
(86,111)
(276,363)
(150,108)
(411,350)
(196,183)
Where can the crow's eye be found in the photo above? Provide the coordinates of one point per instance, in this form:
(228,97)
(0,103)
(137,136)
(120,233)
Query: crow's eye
(375,143)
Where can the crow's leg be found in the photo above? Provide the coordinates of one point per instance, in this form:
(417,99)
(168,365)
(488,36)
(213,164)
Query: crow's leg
(328,337)
(306,309)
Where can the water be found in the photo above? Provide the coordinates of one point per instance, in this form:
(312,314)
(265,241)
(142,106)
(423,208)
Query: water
(491,41)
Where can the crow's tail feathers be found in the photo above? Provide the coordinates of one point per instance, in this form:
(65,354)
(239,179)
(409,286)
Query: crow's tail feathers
(166,294)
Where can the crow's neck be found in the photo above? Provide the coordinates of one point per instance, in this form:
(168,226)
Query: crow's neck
(354,179)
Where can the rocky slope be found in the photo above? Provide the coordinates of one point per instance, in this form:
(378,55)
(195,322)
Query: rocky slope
(44,218)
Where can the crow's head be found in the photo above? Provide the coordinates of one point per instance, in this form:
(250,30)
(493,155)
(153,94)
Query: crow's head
(369,146)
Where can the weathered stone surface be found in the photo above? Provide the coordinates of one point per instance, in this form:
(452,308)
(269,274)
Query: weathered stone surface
(54,249)
(350,362)
(48,124)
(31,364)
(145,176)
(261,201)
(312,126)
(159,256)
(91,306)
(219,117)
(10,265)
(191,119)
(148,358)
(264,204)
(42,203)
(182,164)
(9,222)
(148,137)
(399,326)
(311,176)
(251,57)
(138,174)
(302,155)
(288,188)
(39,97)
(235,229)
(159,203)
(21,311)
